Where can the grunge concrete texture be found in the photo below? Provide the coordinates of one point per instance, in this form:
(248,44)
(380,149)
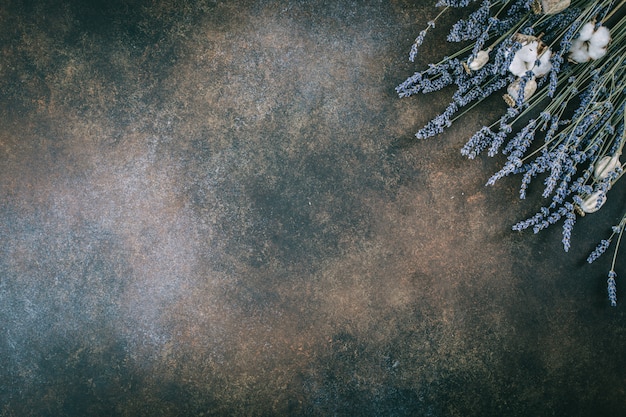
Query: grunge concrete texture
(218,208)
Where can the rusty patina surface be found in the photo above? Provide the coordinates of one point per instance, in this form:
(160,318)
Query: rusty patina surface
(220,209)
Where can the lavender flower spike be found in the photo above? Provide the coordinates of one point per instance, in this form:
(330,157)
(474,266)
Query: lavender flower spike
(612,288)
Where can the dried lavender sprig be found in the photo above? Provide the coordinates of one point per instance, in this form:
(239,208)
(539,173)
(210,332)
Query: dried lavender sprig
(582,132)
(572,146)
(453,3)
(612,288)
(605,243)
(601,248)
(568,225)
(420,40)
(592,137)
(472,27)
(422,35)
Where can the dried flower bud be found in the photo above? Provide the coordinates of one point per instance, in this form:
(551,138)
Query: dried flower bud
(480,60)
(523,39)
(553,6)
(605,166)
(592,203)
(514,89)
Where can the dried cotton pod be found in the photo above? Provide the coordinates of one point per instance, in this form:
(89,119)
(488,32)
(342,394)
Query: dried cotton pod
(480,60)
(523,39)
(554,6)
(605,166)
(592,203)
(514,89)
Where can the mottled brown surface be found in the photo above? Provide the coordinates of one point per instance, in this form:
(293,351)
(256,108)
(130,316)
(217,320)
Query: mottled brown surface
(220,209)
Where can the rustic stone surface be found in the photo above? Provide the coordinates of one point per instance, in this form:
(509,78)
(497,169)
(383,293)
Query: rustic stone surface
(221,210)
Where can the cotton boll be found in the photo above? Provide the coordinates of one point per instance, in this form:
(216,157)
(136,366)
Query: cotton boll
(586,32)
(601,37)
(579,56)
(579,52)
(518,66)
(545,65)
(524,59)
(595,52)
(528,52)
(579,44)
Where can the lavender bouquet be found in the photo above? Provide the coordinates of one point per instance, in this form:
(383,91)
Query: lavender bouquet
(560,67)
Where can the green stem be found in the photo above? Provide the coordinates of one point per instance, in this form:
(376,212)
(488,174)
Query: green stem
(614,10)
(619,239)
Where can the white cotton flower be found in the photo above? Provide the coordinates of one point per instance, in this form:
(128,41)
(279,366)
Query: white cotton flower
(528,52)
(592,203)
(586,32)
(605,166)
(532,56)
(519,66)
(601,37)
(596,53)
(590,44)
(579,52)
(524,59)
(545,65)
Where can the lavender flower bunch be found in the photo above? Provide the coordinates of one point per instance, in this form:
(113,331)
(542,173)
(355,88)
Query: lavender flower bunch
(560,65)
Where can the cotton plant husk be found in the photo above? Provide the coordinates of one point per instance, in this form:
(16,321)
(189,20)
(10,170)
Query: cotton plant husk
(550,6)
(514,89)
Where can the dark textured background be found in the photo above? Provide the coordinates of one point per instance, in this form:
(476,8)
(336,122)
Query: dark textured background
(218,208)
